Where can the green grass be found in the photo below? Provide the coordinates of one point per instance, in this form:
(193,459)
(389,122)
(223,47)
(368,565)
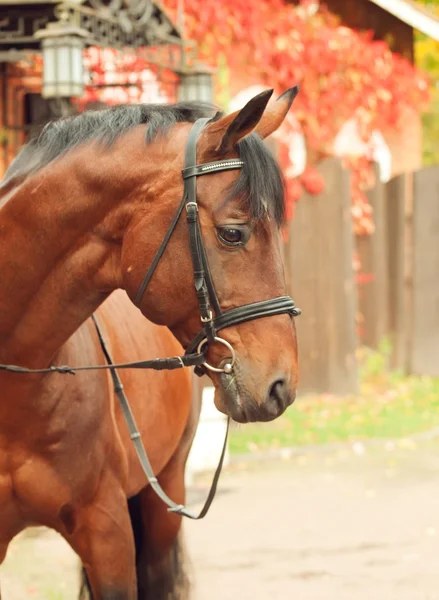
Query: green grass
(54,595)
(389,406)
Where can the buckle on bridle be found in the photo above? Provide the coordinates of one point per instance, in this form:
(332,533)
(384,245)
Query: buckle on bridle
(180,361)
(207,319)
(191,204)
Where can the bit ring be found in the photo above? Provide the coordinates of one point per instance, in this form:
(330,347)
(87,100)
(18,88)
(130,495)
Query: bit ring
(229,365)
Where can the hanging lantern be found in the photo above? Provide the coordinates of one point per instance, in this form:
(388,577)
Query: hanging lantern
(196,85)
(63,66)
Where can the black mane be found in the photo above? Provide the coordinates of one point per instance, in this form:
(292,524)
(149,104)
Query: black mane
(260,184)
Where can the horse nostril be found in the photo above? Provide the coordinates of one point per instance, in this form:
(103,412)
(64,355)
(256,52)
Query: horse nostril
(280,394)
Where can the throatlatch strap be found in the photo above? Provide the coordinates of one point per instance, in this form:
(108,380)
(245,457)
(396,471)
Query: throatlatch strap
(140,448)
(159,254)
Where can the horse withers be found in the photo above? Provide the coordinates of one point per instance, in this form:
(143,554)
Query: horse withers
(84,209)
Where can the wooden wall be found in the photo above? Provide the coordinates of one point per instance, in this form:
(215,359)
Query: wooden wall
(319,258)
(396,292)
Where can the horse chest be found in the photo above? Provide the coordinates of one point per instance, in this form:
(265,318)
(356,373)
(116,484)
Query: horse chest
(17,509)
(26,481)
(33,487)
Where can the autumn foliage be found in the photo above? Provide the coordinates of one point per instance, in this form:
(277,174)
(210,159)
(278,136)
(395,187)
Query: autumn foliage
(343,74)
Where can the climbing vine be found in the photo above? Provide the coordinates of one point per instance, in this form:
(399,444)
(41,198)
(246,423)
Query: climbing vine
(343,74)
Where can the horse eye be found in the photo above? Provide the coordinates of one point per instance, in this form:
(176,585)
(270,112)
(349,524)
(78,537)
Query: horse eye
(230,236)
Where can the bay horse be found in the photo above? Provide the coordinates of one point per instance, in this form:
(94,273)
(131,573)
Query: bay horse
(83,210)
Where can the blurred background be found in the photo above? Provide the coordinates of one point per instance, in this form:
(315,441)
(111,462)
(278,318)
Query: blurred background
(338,498)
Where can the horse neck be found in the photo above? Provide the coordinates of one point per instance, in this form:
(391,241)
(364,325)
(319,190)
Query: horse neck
(61,240)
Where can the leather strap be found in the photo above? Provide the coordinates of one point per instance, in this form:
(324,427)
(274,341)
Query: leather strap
(159,254)
(209,281)
(157,364)
(195,238)
(195,170)
(140,448)
(247,312)
(195,244)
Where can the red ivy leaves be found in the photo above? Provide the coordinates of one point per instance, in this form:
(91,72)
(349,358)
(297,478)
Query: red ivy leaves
(312,181)
(340,70)
(343,73)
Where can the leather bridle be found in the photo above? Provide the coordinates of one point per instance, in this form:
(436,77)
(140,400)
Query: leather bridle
(211,315)
(208,302)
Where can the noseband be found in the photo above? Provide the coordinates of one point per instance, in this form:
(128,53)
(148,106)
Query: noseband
(204,286)
(208,303)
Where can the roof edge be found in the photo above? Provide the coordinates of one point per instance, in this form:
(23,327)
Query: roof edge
(413,14)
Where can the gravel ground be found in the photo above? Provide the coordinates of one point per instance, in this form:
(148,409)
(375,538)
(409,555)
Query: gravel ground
(355,522)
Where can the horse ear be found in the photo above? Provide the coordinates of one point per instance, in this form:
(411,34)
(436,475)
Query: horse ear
(255,116)
(225,133)
(276,113)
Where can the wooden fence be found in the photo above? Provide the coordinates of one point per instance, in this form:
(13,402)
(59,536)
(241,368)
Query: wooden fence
(398,294)
(320,268)
(424,339)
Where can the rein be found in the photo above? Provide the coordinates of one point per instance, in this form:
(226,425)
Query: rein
(140,448)
(157,364)
(195,354)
